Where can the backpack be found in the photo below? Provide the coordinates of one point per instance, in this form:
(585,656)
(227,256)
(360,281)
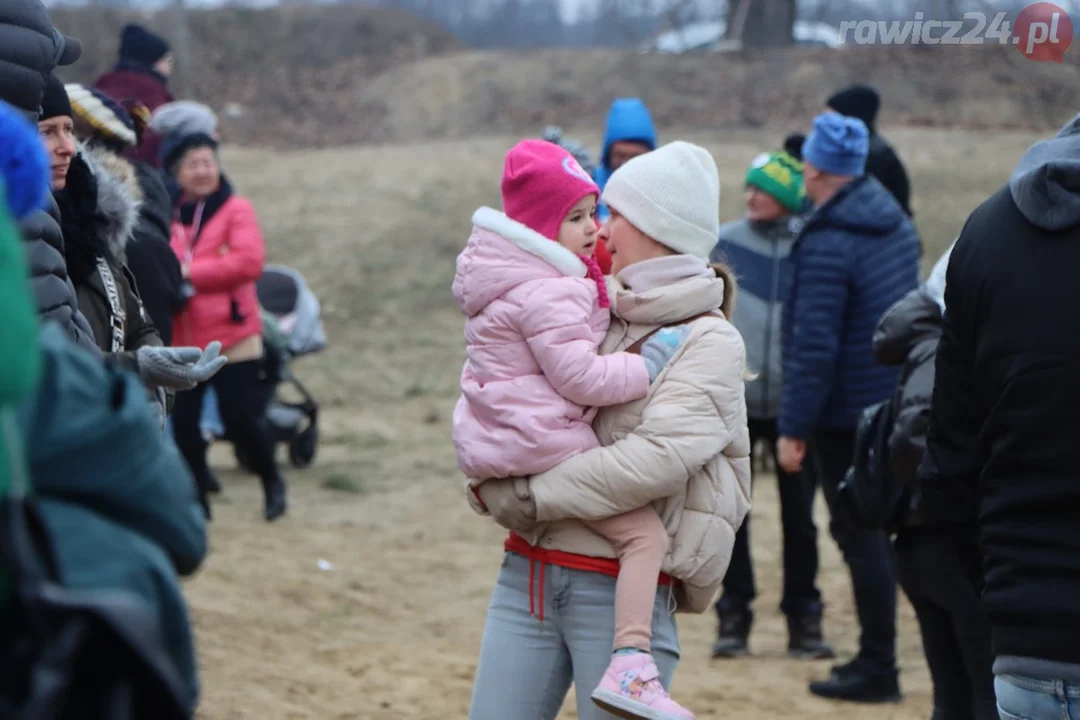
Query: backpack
(870,493)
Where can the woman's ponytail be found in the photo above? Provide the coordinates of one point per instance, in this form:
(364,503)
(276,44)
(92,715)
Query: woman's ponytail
(731,289)
(731,286)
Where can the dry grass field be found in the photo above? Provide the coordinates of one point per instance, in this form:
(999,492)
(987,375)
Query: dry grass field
(391,627)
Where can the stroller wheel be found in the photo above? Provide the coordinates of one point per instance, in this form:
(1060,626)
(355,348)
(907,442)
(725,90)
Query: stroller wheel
(302,447)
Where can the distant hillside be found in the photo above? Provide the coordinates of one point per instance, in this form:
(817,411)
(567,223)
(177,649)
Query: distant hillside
(344,74)
(964,87)
(294,70)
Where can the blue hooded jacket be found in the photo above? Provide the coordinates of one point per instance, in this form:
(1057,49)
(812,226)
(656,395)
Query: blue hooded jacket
(857,255)
(628,121)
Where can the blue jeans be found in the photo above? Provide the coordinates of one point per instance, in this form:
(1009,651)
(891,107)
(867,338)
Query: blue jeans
(527,666)
(1024,698)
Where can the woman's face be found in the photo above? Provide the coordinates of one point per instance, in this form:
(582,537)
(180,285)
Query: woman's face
(199,173)
(58,134)
(626,244)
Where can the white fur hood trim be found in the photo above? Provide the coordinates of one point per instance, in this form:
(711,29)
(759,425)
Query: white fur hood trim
(530,241)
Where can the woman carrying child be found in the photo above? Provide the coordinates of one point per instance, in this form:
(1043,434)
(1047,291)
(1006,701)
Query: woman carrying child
(620,521)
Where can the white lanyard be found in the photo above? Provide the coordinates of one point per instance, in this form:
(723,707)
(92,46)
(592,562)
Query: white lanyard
(118,318)
(193,236)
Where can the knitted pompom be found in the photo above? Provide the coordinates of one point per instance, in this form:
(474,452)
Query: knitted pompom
(24,164)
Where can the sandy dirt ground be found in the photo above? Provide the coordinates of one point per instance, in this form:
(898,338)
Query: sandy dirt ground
(368,600)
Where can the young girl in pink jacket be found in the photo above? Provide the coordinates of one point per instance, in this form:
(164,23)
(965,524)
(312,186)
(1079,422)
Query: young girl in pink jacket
(537,310)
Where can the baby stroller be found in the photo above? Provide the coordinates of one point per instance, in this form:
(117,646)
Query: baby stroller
(292,327)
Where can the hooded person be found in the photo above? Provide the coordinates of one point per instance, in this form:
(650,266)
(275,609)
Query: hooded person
(863,102)
(30,48)
(629,132)
(108,130)
(142,74)
(941,578)
(999,474)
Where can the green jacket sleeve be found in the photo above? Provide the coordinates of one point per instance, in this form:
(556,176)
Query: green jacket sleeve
(92,440)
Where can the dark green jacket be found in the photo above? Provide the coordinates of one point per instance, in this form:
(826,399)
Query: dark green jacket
(117,499)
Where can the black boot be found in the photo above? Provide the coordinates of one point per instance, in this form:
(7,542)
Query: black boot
(805,639)
(733,639)
(276,504)
(859,681)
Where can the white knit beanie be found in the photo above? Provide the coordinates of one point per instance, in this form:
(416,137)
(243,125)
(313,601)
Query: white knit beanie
(671,194)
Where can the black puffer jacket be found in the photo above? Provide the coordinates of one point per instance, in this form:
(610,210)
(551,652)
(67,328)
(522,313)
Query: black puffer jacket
(48,269)
(149,256)
(907,336)
(28,48)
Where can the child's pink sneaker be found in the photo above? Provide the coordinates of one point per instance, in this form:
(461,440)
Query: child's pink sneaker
(631,689)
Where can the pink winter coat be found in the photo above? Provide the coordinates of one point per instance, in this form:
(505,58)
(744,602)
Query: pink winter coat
(532,379)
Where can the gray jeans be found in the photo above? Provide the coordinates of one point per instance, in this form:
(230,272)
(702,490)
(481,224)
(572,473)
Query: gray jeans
(527,666)
(1024,698)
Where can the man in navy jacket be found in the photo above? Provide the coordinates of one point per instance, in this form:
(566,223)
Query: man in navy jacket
(857,255)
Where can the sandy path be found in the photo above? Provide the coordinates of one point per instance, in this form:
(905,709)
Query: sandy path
(392,631)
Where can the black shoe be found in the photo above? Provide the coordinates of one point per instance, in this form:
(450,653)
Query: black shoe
(854,682)
(733,639)
(276,504)
(805,639)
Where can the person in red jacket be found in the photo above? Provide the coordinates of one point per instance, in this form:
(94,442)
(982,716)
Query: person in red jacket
(603,258)
(141,74)
(217,237)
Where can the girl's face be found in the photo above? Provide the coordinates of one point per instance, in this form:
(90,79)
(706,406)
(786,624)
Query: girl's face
(628,245)
(199,173)
(578,231)
(761,206)
(58,134)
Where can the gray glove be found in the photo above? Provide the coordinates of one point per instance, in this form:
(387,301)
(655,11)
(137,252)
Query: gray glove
(510,503)
(179,368)
(659,349)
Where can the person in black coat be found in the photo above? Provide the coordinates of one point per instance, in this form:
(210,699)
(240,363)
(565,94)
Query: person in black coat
(102,122)
(30,49)
(1000,467)
(942,578)
(863,102)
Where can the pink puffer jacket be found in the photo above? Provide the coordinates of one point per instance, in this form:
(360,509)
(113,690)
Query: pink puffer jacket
(532,379)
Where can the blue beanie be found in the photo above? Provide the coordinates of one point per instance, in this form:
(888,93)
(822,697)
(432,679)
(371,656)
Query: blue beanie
(837,145)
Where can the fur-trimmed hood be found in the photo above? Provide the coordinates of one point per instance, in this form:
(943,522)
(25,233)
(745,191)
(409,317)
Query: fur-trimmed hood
(118,197)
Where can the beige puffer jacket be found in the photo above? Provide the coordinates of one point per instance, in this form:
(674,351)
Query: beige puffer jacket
(685,447)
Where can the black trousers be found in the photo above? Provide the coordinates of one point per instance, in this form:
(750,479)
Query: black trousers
(242,403)
(943,583)
(801,595)
(868,554)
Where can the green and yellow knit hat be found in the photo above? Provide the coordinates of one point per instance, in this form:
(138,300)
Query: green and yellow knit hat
(779,175)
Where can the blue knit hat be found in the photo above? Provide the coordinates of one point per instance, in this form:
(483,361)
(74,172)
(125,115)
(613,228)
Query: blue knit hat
(837,145)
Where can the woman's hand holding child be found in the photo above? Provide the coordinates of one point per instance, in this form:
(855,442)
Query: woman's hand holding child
(510,503)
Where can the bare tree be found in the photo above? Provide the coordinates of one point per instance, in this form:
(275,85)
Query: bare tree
(761,23)
(183,52)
